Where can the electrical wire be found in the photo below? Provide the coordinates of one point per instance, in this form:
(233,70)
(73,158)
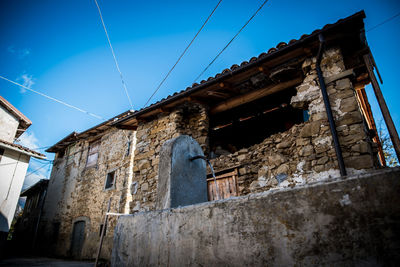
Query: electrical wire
(383,22)
(115,58)
(38,169)
(52,98)
(183,53)
(226,46)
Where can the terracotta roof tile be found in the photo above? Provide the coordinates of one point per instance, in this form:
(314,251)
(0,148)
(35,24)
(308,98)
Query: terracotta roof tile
(22,148)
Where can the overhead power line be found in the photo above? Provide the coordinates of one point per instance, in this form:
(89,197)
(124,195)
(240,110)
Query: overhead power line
(226,46)
(183,53)
(383,22)
(54,99)
(38,169)
(115,58)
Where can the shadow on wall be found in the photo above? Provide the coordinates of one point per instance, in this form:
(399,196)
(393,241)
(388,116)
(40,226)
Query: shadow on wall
(3,223)
(3,234)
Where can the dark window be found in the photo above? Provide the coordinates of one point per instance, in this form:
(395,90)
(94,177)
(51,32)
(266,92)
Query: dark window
(60,154)
(1,153)
(251,123)
(110,180)
(128,150)
(101,229)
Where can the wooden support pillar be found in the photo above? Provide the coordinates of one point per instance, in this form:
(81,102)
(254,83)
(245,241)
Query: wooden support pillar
(382,104)
(103,231)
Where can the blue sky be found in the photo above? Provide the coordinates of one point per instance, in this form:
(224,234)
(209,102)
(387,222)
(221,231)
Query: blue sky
(59,48)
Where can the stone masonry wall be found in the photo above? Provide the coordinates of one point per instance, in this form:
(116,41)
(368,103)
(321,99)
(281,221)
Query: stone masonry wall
(305,152)
(78,193)
(190,119)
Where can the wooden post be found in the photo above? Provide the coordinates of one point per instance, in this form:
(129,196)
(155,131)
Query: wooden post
(382,104)
(103,230)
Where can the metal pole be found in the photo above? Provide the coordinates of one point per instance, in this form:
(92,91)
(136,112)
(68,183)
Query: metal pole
(103,230)
(328,108)
(382,105)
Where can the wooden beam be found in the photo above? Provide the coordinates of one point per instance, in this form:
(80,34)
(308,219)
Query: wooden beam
(339,76)
(253,95)
(382,104)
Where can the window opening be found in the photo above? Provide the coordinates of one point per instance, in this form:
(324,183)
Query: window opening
(71,154)
(93,154)
(128,150)
(101,229)
(110,180)
(251,123)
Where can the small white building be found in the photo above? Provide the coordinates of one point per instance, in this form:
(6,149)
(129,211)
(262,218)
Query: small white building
(14,161)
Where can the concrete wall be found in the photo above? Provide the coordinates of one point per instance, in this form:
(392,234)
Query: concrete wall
(76,192)
(345,222)
(13,166)
(8,125)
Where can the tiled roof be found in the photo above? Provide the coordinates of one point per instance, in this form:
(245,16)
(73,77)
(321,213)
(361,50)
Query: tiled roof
(280,48)
(74,136)
(22,149)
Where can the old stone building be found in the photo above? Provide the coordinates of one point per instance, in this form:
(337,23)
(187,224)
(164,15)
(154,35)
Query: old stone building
(89,168)
(264,123)
(291,134)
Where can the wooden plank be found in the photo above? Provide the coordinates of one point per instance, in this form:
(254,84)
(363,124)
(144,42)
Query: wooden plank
(339,76)
(384,109)
(366,110)
(254,95)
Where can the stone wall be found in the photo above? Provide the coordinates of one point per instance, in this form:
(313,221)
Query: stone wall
(190,119)
(340,222)
(302,154)
(76,193)
(305,152)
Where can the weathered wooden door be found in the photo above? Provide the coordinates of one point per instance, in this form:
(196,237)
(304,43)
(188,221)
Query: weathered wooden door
(227,185)
(77,239)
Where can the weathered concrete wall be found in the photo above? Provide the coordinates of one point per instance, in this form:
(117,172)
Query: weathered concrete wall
(345,222)
(8,125)
(76,192)
(13,166)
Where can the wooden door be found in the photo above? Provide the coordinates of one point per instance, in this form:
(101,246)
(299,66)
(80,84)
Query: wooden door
(77,239)
(227,185)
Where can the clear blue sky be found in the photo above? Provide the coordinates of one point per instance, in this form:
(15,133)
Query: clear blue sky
(61,47)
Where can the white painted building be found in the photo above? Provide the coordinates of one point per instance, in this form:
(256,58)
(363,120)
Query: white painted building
(14,161)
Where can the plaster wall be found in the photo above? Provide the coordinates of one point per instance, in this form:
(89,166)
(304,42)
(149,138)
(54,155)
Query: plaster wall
(8,125)
(339,222)
(13,166)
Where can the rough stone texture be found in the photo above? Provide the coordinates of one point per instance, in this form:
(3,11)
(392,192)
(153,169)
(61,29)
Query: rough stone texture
(302,154)
(76,193)
(305,152)
(340,222)
(189,119)
(181,180)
